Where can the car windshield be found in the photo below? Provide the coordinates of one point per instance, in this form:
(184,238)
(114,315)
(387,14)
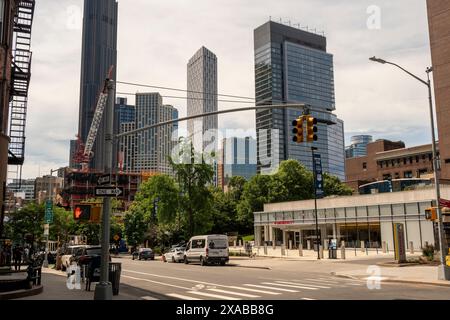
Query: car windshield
(92,251)
(217,244)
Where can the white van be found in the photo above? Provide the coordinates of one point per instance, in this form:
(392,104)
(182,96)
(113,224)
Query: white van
(207,249)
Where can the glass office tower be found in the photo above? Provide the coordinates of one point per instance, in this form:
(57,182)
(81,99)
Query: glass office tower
(292,66)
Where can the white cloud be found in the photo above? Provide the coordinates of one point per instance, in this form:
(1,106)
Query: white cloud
(156,39)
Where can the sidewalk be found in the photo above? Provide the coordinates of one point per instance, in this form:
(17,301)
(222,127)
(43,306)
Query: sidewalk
(410,274)
(54,283)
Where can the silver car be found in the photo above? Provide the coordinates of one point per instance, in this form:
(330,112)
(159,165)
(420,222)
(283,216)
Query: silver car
(174,255)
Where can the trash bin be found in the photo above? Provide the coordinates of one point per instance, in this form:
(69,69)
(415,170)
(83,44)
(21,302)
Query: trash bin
(115,269)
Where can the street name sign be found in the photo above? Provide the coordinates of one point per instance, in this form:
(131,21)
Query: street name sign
(108,191)
(48,212)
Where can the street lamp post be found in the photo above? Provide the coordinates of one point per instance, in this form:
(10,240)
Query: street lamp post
(444,271)
(47,226)
(318,238)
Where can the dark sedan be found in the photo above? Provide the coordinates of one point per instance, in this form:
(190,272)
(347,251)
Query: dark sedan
(144,254)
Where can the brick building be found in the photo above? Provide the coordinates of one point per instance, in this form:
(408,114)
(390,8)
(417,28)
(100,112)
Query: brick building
(439,28)
(7,12)
(387,160)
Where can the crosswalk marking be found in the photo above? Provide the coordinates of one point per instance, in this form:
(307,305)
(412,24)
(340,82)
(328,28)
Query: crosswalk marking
(157,282)
(272,288)
(308,299)
(235,293)
(182,297)
(254,290)
(289,285)
(148,298)
(346,281)
(323,281)
(213,295)
(305,284)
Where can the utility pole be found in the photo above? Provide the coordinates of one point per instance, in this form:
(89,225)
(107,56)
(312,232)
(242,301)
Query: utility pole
(318,238)
(103,290)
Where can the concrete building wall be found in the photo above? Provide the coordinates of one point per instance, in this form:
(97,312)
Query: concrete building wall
(439,28)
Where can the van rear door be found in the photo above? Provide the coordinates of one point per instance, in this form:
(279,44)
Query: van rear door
(218,247)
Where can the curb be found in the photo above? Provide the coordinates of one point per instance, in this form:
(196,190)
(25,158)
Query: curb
(22,293)
(249,267)
(397,280)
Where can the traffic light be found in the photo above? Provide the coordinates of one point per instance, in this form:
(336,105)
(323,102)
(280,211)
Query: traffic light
(298,129)
(311,129)
(82,212)
(431,213)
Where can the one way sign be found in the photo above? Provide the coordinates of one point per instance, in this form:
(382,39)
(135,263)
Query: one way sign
(108,191)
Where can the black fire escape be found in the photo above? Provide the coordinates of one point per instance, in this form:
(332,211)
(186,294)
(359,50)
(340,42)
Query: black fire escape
(20,80)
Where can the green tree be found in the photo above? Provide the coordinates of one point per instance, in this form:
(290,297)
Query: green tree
(135,226)
(256,193)
(333,186)
(193,176)
(27,223)
(295,182)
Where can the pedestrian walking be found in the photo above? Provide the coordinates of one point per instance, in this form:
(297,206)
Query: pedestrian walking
(17,257)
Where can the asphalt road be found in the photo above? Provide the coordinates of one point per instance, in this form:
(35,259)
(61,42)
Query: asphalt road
(305,280)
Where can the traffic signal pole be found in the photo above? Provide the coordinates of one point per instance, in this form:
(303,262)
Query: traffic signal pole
(318,238)
(103,290)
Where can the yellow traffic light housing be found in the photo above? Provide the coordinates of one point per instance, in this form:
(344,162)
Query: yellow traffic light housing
(311,128)
(431,213)
(298,129)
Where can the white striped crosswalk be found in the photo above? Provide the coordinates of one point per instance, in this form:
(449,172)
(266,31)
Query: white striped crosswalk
(272,287)
(275,287)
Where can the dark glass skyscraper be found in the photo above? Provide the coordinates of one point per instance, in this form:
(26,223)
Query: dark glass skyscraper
(99,52)
(293,66)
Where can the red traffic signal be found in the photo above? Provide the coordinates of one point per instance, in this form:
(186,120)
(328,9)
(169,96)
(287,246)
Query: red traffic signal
(82,212)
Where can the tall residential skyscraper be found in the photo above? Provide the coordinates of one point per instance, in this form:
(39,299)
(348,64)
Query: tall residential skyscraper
(358,146)
(202,97)
(123,114)
(154,146)
(293,66)
(439,26)
(99,53)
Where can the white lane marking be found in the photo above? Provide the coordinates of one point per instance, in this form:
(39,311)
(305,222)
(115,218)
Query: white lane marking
(308,299)
(323,281)
(157,282)
(254,290)
(213,295)
(175,278)
(305,284)
(148,298)
(234,293)
(272,288)
(182,297)
(289,286)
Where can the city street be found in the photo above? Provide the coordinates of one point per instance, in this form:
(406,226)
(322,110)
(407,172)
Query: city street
(292,280)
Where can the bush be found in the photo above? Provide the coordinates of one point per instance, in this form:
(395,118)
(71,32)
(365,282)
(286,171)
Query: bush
(428,252)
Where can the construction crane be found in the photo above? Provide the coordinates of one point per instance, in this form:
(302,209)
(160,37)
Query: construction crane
(83,153)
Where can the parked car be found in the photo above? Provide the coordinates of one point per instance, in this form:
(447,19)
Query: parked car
(144,254)
(174,255)
(207,249)
(85,255)
(68,256)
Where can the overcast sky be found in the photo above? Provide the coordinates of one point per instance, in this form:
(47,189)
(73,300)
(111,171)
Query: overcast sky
(157,38)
